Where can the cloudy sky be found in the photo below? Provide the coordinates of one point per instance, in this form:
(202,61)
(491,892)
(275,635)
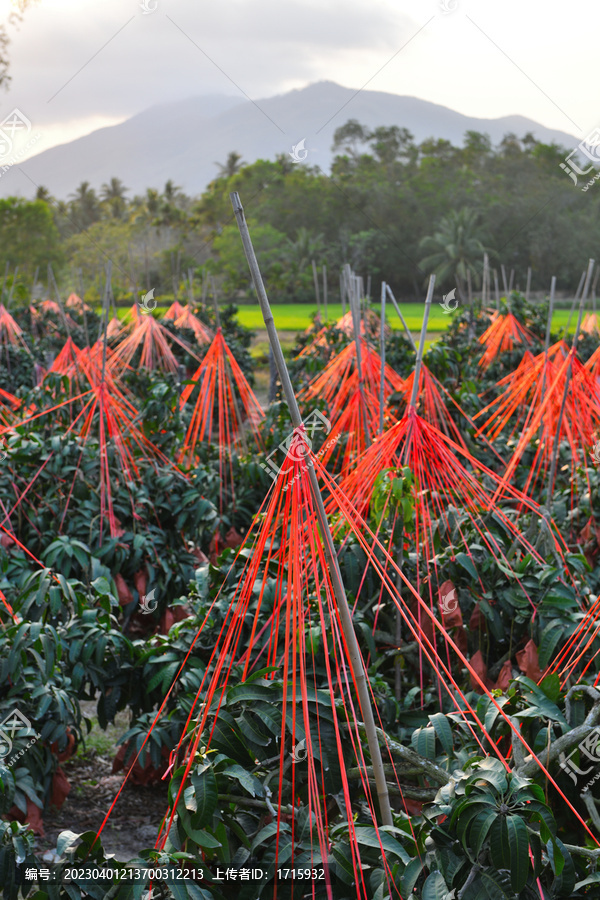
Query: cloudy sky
(78,65)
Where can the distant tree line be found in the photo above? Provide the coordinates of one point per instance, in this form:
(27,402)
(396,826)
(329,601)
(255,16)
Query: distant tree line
(392,208)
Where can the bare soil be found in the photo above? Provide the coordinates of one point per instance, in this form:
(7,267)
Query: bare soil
(135,820)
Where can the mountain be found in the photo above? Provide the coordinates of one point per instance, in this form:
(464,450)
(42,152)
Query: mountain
(185,140)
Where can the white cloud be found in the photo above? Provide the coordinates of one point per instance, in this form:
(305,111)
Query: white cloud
(108,61)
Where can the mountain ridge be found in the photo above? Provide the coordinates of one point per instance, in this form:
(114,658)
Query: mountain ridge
(184,140)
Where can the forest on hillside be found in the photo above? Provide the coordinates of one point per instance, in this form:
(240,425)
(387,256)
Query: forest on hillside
(384,198)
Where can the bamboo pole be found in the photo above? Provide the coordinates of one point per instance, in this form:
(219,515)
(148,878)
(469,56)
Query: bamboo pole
(511,280)
(575,299)
(573,351)
(191,288)
(107,293)
(204,289)
(595,282)
(356,320)
(485,282)
(418,363)
(528,287)
(412,405)
(134,281)
(504,281)
(173,278)
(83,311)
(354,655)
(548,329)
(325,290)
(52,279)
(382,357)
(12,287)
(37,269)
(146,267)
(400,316)
(316,284)
(497,291)
(216,305)
(6,268)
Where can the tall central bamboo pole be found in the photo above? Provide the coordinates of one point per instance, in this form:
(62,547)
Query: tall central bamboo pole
(382,357)
(428,299)
(356,320)
(355,658)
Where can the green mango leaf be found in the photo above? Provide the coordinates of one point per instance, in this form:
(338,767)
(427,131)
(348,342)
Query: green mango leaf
(519,851)
(467,564)
(435,888)
(444,732)
(206,793)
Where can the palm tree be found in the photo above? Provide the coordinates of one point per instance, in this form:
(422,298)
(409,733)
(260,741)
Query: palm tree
(84,204)
(152,201)
(232,166)
(44,194)
(453,251)
(113,194)
(298,256)
(171,192)
(284,163)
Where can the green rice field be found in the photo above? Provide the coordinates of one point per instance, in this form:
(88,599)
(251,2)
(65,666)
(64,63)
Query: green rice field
(297,316)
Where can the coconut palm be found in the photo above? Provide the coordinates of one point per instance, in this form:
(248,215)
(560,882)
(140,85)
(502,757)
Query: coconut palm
(454,250)
(44,194)
(113,194)
(232,166)
(84,204)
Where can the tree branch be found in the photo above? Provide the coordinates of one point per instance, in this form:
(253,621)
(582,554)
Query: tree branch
(563,744)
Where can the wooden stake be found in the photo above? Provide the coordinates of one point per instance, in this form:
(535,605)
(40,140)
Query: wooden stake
(497,291)
(325,290)
(354,655)
(510,280)
(382,357)
(342,295)
(504,282)
(400,316)
(528,287)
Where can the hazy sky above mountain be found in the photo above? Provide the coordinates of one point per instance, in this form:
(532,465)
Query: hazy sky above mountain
(80,64)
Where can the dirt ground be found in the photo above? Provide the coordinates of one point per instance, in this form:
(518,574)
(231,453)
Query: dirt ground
(134,822)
